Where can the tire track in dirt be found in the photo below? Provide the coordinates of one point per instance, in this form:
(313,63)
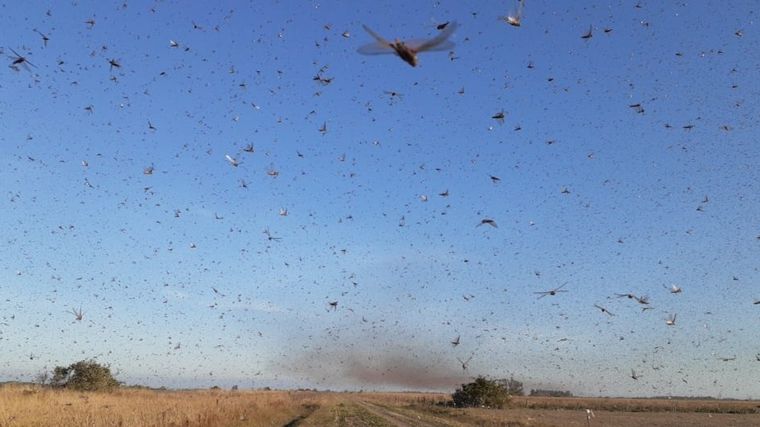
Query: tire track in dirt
(308,410)
(400,419)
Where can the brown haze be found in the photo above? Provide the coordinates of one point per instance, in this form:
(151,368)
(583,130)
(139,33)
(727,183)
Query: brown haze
(404,372)
(389,369)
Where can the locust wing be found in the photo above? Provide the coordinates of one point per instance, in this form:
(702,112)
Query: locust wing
(439,42)
(379,47)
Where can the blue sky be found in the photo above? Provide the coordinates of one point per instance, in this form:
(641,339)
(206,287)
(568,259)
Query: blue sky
(591,193)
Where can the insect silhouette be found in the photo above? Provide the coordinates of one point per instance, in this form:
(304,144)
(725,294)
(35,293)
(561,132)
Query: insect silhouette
(232,161)
(671,320)
(114,63)
(603,310)
(393,95)
(78,314)
(45,38)
(465,362)
(674,289)
(589,33)
(515,19)
(270,237)
(629,296)
(19,60)
(644,300)
(408,50)
(487,221)
(552,292)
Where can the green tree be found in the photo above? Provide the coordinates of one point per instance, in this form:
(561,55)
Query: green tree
(482,393)
(85,375)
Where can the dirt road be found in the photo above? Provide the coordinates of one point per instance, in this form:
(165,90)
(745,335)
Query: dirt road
(403,417)
(356,411)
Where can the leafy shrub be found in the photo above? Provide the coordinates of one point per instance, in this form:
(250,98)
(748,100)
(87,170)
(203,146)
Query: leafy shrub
(482,393)
(85,375)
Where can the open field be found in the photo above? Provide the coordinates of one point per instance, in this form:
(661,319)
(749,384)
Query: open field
(30,406)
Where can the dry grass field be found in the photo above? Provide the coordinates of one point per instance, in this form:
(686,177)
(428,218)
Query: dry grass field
(31,406)
(28,406)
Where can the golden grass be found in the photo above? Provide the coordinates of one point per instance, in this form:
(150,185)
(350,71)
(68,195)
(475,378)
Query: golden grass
(31,406)
(567,412)
(581,403)
(25,405)
(637,405)
(405,398)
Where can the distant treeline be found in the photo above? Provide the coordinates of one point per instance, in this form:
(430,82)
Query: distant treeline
(693,398)
(550,393)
